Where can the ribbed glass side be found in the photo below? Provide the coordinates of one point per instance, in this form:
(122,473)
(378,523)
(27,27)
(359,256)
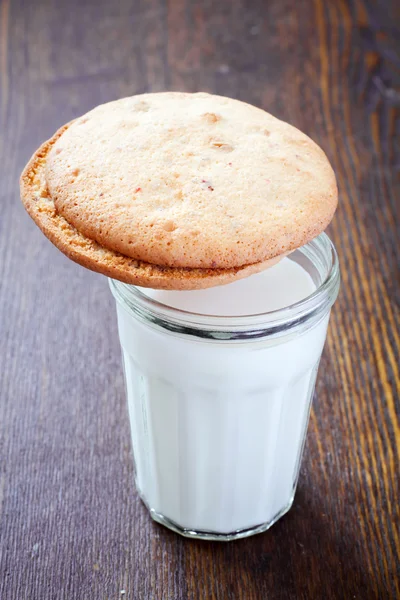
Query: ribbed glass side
(217,460)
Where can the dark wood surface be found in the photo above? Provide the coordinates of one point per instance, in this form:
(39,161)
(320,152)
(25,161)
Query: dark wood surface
(71,524)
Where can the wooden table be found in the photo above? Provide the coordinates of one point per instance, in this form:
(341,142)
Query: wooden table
(71,524)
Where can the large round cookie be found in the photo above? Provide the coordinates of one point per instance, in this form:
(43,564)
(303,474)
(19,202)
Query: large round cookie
(179,191)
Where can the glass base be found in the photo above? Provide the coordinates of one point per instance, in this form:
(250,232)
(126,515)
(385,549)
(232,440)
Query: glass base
(214,536)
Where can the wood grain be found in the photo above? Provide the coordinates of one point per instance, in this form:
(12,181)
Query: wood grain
(71,524)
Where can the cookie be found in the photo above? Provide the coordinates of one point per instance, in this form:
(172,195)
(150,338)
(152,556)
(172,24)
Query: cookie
(179,191)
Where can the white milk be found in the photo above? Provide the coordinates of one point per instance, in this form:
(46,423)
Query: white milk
(218,426)
(277,287)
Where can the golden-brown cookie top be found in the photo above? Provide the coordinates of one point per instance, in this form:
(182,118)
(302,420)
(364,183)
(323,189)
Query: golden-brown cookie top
(191,181)
(90,254)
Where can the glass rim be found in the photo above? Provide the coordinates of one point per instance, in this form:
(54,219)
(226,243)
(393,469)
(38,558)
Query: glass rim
(243,326)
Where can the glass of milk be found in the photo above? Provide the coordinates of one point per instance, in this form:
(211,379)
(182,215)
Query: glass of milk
(219,385)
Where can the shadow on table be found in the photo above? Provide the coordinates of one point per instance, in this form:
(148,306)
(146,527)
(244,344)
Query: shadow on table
(307,554)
